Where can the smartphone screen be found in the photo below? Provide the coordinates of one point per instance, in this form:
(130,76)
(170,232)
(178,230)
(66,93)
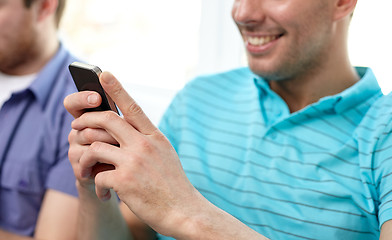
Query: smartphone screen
(86,78)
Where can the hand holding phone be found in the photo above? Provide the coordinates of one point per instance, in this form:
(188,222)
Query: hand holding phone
(86,78)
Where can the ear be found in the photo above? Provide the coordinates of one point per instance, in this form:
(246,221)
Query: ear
(46,8)
(344,8)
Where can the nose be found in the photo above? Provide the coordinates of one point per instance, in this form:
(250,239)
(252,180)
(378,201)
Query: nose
(248,11)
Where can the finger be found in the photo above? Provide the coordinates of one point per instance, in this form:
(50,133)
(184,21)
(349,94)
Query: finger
(98,153)
(75,152)
(112,123)
(132,112)
(104,181)
(87,136)
(77,103)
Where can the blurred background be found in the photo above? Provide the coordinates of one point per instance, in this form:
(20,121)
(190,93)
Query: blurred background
(154,47)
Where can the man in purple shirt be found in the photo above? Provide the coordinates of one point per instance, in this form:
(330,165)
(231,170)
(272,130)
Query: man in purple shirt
(37,184)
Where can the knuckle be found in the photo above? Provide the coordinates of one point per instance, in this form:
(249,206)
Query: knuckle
(159,136)
(134,108)
(110,116)
(95,147)
(71,136)
(73,154)
(124,176)
(145,145)
(89,135)
(66,102)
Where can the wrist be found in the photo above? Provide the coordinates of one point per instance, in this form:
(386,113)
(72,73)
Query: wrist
(86,190)
(195,220)
(208,222)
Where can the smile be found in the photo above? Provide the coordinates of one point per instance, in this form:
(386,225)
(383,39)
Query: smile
(259,41)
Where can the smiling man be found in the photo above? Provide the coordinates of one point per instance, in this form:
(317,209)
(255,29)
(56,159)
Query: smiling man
(295,146)
(305,44)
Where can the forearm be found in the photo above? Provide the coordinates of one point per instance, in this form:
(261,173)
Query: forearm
(208,222)
(100,220)
(12,236)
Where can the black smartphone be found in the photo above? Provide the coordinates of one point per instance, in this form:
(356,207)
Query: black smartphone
(86,78)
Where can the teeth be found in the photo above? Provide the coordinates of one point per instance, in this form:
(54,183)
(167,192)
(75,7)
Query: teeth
(258,41)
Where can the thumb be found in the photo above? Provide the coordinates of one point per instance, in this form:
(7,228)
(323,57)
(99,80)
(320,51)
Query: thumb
(132,112)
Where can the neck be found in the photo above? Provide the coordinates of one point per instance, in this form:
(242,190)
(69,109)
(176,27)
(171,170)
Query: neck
(47,50)
(301,92)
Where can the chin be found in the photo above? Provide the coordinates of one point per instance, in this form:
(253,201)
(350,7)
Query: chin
(272,70)
(263,71)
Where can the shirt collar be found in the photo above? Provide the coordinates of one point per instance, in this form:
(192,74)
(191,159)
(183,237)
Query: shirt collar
(363,90)
(42,85)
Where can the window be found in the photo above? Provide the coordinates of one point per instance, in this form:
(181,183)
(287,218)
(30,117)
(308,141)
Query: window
(150,46)
(370,39)
(154,47)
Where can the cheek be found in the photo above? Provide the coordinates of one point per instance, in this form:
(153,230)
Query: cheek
(5,24)
(14,38)
(12,25)
(307,28)
(7,35)
(305,20)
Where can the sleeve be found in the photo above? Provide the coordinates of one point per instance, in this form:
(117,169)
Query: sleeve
(382,171)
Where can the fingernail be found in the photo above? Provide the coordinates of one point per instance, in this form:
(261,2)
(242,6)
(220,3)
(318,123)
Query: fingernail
(92,99)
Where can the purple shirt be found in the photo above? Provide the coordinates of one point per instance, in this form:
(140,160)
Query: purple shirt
(34,128)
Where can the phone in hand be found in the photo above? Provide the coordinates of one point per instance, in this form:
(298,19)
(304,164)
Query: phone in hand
(86,78)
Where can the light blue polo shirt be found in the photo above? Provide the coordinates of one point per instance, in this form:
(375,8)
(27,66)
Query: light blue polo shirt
(320,173)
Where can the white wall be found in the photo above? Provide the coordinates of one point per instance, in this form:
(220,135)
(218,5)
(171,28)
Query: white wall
(154,47)
(370,42)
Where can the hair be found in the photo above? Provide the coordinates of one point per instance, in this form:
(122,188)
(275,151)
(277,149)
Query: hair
(59,11)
